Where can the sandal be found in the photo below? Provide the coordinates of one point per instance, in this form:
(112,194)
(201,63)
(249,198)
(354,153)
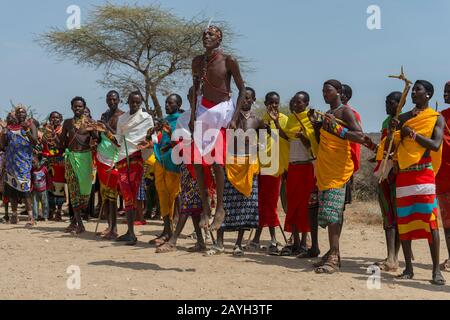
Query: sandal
(438,279)
(14,219)
(386,266)
(192,236)
(308,254)
(331,265)
(406,275)
(129,241)
(132,242)
(103,233)
(287,251)
(300,251)
(197,248)
(110,236)
(322,260)
(78,230)
(215,251)
(274,250)
(238,252)
(252,247)
(159,241)
(166,248)
(70,228)
(446,266)
(30,224)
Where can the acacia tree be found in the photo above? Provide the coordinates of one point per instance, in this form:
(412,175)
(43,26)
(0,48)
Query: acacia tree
(144,48)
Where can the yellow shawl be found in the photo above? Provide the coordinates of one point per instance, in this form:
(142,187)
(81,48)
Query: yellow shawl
(240,173)
(409,152)
(293,127)
(283,146)
(334,162)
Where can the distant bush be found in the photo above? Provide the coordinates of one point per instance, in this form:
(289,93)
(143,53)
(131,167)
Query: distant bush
(365,183)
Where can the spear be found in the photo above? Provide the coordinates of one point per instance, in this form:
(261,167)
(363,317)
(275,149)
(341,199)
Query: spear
(400,106)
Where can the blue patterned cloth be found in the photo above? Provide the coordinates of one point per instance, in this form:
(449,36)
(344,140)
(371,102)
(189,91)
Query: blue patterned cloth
(141,192)
(19,157)
(241,212)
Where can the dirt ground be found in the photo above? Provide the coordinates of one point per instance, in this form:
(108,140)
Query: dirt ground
(34,264)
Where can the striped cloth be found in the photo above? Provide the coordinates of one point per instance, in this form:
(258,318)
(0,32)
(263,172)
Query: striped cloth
(416,201)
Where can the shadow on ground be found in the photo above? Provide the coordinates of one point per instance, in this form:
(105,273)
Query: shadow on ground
(137,266)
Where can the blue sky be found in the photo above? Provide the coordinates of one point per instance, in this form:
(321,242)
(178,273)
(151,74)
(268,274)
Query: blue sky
(292,45)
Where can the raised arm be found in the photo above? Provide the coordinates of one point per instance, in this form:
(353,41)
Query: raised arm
(196,66)
(233,66)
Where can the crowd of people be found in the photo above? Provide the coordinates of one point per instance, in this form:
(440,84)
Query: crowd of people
(148,162)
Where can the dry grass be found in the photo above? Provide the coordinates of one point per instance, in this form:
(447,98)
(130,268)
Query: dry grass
(364,212)
(365,183)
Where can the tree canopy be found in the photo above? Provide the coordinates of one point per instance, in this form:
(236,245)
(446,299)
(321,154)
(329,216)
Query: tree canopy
(144,48)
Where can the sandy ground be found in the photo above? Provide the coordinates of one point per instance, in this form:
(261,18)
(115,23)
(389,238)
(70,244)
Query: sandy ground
(34,264)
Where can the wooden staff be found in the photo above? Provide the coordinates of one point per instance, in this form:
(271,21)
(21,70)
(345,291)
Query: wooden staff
(324,115)
(303,129)
(300,122)
(400,106)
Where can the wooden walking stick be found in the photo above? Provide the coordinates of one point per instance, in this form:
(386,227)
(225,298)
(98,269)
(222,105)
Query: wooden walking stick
(401,104)
(250,236)
(284,235)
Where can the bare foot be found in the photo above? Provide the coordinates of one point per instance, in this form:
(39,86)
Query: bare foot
(219,218)
(204,219)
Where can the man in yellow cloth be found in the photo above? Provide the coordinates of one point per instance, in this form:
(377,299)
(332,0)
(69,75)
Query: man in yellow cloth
(334,167)
(240,197)
(274,160)
(301,181)
(167,173)
(418,157)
